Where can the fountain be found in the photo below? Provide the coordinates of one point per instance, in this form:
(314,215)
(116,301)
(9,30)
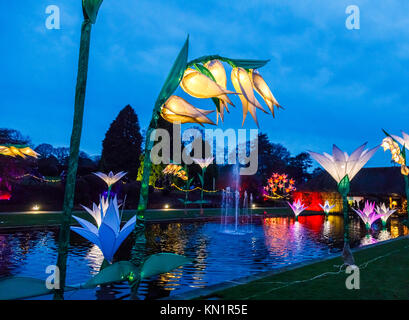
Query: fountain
(235,219)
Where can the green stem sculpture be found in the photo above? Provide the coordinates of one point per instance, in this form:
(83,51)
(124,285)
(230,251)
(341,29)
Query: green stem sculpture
(407,193)
(343,188)
(90,11)
(201,177)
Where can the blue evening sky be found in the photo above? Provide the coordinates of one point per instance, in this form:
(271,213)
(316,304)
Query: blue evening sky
(338,86)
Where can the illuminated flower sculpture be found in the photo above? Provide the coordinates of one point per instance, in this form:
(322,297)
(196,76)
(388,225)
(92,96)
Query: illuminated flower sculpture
(343,168)
(384,212)
(98,211)
(110,178)
(297,207)
(175,170)
(203,78)
(17,151)
(368,215)
(203,163)
(279,186)
(399,156)
(326,207)
(109,235)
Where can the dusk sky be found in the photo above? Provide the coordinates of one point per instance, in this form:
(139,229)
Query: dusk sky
(337,85)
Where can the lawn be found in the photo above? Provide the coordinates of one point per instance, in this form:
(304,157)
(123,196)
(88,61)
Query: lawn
(386,276)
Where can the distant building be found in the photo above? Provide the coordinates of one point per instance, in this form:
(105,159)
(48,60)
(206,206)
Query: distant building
(383,184)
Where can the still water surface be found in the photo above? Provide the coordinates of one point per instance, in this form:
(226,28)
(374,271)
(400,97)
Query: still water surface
(217,256)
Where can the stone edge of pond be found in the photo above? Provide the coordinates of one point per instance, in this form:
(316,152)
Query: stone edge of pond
(208,292)
(152,221)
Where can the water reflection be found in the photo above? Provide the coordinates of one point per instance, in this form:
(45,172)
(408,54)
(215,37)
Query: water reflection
(217,257)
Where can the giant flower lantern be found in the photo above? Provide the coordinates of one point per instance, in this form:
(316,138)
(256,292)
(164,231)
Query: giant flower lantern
(343,168)
(203,163)
(399,156)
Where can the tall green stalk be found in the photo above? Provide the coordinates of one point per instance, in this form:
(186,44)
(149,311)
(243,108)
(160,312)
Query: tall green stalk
(201,177)
(343,188)
(407,193)
(90,10)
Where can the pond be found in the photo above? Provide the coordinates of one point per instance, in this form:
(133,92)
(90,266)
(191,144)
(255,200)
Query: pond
(273,243)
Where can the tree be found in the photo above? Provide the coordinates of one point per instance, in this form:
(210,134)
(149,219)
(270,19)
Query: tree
(48,166)
(298,167)
(45,150)
(272,157)
(61,153)
(12,136)
(121,148)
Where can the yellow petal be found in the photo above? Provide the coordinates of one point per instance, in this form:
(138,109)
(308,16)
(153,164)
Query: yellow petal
(404,170)
(6,151)
(16,152)
(218,72)
(263,90)
(29,152)
(200,86)
(243,85)
(176,109)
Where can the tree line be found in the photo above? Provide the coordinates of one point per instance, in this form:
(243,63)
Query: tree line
(122,151)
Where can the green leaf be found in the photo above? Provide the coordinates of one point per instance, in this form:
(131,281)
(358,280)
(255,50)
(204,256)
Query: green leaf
(162,263)
(344,186)
(175,75)
(21,288)
(246,64)
(116,272)
(90,9)
(201,179)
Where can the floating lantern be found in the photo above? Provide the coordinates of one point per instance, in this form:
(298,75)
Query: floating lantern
(326,207)
(368,215)
(384,212)
(297,208)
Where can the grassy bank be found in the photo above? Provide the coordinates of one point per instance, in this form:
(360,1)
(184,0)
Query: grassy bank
(50,218)
(384,277)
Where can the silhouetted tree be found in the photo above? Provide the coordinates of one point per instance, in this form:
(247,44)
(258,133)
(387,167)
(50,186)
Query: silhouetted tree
(298,167)
(121,148)
(272,157)
(12,136)
(45,150)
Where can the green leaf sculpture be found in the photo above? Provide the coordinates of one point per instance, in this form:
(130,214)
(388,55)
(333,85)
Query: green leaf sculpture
(344,186)
(116,272)
(12,288)
(162,263)
(90,9)
(127,271)
(175,75)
